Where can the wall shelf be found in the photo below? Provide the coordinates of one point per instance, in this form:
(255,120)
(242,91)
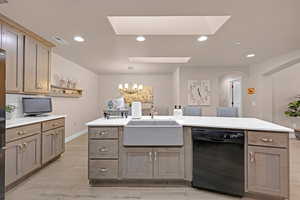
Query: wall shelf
(57,91)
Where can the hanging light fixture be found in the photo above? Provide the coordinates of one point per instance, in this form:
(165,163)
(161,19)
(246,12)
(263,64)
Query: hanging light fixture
(130,90)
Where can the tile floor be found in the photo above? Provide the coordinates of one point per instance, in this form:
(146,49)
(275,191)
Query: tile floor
(66,179)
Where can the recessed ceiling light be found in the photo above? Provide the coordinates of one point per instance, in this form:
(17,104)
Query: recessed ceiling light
(238,43)
(202,38)
(130,68)
(78,38)
(250,55)
(140,38)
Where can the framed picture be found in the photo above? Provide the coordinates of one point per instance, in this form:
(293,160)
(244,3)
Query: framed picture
(199,92)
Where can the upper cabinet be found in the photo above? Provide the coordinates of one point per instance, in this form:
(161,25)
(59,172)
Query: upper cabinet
(27,60)
(36,67)
(12,43)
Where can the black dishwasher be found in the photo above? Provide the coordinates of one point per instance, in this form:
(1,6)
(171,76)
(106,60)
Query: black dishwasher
(218,160)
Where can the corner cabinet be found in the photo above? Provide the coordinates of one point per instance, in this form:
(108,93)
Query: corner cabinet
(36,67)
(12,42)
(268,165)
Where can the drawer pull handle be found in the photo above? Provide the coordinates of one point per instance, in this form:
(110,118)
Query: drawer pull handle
(20,133)
(103,170)
(103,149)
(55,124)
(266,140)
(251,156)
(102,133)
(155,156)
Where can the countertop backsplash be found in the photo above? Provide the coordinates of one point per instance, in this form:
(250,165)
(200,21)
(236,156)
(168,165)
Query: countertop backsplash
(16,100)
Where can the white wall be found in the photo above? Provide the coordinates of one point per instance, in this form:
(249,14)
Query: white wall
(162,88)
(78,110)
(213,74)
(277,83)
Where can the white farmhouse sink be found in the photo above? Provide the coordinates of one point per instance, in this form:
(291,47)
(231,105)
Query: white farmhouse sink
(153,133)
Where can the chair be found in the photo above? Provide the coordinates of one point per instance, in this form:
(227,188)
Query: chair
(227,112)
(192,111)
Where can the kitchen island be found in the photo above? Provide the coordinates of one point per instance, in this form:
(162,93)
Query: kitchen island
(113,162)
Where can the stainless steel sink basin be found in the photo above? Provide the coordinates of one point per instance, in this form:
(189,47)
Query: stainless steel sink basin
(153,133)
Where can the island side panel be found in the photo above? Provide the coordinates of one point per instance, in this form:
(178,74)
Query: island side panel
(188,154)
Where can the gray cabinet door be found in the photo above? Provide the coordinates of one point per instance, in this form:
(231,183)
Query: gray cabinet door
(31,158)
(168,163)
(59,141)
(13,162)
(36,67)
(48,147)
(137,163)
(12,43)
(30,65)
(43,68)
(268,171)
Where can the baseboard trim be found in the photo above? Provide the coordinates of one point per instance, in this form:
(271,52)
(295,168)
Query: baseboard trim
(76,135)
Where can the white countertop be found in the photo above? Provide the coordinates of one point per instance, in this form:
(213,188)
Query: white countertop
(210,122)
(30,120)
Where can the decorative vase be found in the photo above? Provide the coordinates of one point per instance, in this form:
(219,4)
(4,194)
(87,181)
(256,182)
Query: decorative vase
(9,115)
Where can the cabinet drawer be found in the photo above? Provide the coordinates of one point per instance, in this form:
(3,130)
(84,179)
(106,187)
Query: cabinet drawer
(22,131)
(48,125)
(103,133)
(268,139)
(103,169)
(103,148)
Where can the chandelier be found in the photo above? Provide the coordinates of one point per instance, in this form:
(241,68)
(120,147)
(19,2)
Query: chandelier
(130,90)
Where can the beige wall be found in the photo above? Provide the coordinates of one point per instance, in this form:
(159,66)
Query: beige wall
(161,83)
(213,74)
(78,110)
(277,83)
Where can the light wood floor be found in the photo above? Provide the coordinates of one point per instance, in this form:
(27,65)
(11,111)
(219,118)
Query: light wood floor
(66,179)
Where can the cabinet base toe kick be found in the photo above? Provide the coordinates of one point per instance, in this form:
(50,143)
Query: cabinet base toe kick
(139,183)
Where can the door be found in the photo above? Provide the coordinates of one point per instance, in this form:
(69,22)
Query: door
(43,68)
(268,171)
(30,65)
(2,124)
(137,163)
(13,162)
(31,158)
(48,150)
(236,94)
(59,144)
(168,163)
(12,43)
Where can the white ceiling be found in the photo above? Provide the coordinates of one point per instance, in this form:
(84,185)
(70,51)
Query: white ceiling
(265,27)
(159,60)
(167,25)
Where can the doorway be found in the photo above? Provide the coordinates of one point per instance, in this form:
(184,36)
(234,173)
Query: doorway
(236,94)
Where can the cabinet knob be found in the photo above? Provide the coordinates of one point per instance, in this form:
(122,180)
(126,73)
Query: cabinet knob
(39,86)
